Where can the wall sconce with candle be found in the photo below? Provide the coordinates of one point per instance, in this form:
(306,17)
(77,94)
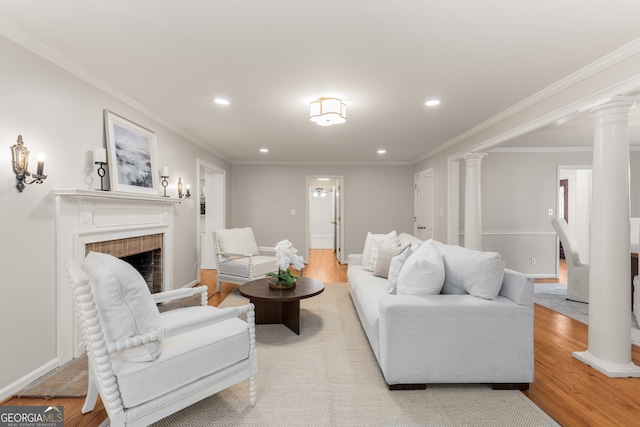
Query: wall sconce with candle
(20,161)
(180,193)
(100,158)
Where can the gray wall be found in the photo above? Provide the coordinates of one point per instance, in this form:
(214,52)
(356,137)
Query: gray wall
(61,116)
(376,198)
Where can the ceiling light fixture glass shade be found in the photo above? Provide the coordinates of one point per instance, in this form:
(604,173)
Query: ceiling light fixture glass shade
(327,111)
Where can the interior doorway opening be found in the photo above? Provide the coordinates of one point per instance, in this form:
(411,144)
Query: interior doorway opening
(324,214)
(212,196)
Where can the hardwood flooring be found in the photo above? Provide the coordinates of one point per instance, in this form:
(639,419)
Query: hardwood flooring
(569,391)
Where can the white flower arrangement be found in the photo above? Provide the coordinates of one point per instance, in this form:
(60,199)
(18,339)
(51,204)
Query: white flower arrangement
(286,256)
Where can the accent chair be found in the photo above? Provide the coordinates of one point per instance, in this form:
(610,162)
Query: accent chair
(238,258)
(147,365)
(577,271)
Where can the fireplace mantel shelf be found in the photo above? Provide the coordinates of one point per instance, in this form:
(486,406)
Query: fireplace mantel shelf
(78,193)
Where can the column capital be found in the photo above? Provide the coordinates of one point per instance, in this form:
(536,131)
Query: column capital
(611,102)
(473,158)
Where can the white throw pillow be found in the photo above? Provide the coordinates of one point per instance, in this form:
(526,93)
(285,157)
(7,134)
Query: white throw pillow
(474,272)
(386,253)
(396,266)
(371,250)
(124,302)
(423,272)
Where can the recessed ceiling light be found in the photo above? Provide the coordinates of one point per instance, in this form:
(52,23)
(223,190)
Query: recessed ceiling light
(432,102)
(221,101)
(382,151)
(264,150)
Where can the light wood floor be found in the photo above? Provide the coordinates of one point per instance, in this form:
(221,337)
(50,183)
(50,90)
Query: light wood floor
(569,391)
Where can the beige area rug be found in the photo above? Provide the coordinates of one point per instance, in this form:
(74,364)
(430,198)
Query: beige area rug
(328,376)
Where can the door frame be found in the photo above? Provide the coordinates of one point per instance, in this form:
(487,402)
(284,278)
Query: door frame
(205,167)
(339,196)
(417,200)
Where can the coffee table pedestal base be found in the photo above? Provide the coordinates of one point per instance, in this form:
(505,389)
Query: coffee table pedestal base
(285,313)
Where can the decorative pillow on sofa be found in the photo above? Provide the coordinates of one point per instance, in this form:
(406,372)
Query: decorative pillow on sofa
(124,303)
(406,239)
(371,250)
(423,272)
(469,271)
(386,252)
(396,266)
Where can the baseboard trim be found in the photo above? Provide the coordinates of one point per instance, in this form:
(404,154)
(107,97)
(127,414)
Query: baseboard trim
(11,389)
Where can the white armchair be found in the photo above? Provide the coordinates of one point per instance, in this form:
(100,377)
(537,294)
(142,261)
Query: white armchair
(577,272)
(238,258)
(144,363)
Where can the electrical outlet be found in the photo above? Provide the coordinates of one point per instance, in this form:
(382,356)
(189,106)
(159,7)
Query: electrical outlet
(533,261)
(293,211)
(550,212)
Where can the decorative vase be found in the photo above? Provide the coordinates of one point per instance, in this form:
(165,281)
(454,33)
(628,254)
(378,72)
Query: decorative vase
(274,283)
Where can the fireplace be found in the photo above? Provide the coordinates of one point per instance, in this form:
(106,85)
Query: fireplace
(144,253)
(121,224)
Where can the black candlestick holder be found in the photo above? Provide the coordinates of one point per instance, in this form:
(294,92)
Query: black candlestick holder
(101,173)
(164,184)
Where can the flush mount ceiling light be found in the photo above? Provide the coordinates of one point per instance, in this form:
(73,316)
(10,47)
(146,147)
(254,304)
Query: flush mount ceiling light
(327,111)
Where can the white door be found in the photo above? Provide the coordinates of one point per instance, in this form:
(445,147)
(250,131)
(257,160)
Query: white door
(423,205)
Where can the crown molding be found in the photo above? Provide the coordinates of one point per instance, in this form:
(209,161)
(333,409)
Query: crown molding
(36,46)
(617,56)
(312,163)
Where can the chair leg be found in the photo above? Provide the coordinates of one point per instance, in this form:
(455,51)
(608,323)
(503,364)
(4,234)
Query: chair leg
(92,394)
(218,285)
(252,391)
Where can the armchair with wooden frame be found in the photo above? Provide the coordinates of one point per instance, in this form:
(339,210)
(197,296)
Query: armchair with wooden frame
(146,365)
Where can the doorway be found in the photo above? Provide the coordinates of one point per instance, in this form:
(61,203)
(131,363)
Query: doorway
(423,205)
(574,205)
(212,196)
(324,214)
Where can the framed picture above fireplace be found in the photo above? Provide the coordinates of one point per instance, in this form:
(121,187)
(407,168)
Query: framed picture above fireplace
(133,163)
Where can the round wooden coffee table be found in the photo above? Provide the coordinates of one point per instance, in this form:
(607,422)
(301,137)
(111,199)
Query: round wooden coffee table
(281,305)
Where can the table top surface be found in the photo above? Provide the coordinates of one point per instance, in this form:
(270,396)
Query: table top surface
(259,290)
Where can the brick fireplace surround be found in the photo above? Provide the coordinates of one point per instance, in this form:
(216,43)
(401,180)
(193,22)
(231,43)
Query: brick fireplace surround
(121,224)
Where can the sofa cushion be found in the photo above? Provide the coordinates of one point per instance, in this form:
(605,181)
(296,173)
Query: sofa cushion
(386,252)
(395,267)
(370,252)
(124,302)
(469,271)
(423,272)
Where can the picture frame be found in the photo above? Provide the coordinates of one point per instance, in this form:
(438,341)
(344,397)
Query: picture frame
(132,155)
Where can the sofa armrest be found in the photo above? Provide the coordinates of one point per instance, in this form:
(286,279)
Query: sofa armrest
(517,287)
(354,259)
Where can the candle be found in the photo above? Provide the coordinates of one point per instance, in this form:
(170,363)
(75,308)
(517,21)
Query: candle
(40,164)
(188,192)
(100,155)
(165,171)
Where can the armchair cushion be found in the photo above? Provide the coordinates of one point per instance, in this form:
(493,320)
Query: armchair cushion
(184,359)
(237,240)
(124,303)
(240,266)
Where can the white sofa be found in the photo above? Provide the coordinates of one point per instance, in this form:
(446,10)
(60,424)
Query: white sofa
(451,337)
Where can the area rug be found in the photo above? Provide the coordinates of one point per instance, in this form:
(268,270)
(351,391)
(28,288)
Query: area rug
(68,380)
(328,376)
(553,296)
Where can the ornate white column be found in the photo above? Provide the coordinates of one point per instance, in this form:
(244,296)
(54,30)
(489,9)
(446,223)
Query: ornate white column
(473,202)
(609,261)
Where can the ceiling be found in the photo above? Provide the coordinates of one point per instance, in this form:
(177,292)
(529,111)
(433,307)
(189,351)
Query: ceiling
(270,58)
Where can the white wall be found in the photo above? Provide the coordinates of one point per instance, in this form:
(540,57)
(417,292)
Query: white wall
(376,198)
(61,116)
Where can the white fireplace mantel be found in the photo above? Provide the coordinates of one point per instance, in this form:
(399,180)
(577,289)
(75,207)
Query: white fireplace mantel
(86,216)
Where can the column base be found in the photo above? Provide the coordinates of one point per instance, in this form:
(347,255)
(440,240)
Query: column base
(613,370)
